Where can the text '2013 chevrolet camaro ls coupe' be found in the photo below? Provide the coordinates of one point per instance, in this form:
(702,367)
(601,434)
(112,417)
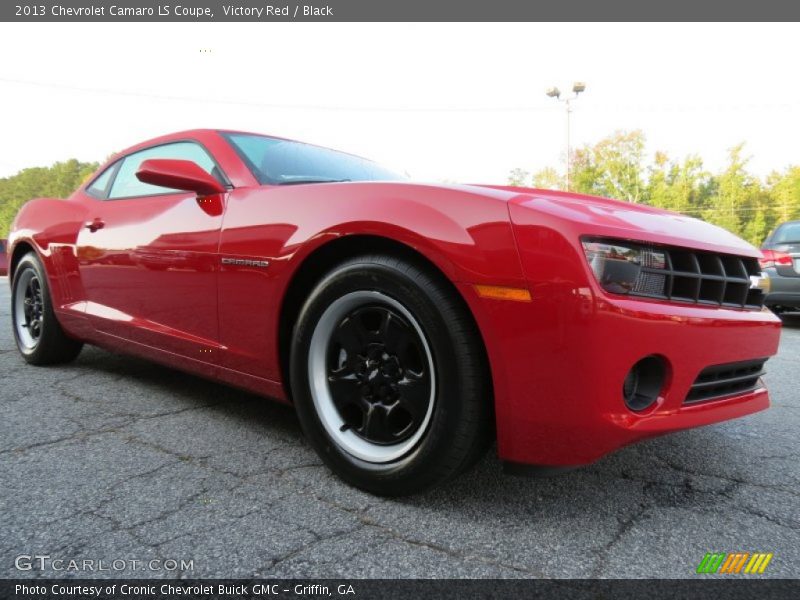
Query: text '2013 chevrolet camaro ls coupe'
(409,324)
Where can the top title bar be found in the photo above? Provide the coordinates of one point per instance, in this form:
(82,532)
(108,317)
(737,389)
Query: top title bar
(399,10)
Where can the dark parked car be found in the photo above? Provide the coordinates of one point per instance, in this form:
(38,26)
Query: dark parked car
(3,259)
(781,262)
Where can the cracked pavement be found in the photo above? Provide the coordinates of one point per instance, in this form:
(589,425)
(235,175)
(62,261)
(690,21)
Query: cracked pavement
(115,458)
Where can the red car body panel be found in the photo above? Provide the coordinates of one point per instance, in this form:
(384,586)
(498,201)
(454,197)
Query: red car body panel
(145,276)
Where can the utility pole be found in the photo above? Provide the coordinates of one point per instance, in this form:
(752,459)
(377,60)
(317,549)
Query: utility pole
(554,92)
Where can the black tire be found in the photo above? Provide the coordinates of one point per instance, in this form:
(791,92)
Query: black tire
(47,344)
(459,426)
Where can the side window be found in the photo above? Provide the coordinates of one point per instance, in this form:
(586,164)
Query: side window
(127,185)
(99,186)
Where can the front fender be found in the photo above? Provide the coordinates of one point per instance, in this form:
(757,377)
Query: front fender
(464,232)
(50,226)
(467,234)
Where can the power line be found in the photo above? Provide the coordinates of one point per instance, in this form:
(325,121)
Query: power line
(405,109)
(694,212)
(321,107)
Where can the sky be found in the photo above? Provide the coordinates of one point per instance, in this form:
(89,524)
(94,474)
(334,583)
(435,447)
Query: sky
(442,102)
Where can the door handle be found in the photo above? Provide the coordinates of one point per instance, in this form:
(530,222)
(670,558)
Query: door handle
(94,225)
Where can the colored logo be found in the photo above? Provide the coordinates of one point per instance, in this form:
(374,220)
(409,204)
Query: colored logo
(734,562)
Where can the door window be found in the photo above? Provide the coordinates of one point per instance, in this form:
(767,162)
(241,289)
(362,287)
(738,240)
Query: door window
(99,187)
(126,185)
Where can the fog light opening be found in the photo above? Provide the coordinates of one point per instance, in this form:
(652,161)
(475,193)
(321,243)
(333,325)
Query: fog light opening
(644,383)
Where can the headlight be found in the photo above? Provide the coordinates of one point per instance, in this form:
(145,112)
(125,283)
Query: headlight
(618,266)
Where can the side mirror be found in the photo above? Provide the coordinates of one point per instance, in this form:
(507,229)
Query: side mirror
(180,175)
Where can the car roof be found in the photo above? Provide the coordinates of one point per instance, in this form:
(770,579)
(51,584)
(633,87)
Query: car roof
(198,134)
(202,134)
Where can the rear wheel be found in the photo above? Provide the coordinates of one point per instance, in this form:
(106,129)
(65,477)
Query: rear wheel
(389,376)
(39,336)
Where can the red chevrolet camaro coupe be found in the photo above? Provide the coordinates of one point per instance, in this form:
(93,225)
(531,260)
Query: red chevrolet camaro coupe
(409,324)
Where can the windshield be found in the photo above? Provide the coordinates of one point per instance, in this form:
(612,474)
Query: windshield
(786,234)
(284,162)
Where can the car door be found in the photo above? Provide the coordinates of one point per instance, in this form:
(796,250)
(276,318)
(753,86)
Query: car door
(148,257)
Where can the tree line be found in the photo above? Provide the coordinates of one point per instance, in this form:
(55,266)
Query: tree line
(56,181)
(617,167)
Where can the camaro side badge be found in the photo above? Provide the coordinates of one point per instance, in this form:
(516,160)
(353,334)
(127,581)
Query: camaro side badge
(245,262)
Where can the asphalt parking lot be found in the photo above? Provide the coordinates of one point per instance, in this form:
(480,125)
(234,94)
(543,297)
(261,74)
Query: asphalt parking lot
(112,458)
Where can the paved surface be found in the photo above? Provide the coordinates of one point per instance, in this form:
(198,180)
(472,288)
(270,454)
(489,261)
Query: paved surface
(112,458)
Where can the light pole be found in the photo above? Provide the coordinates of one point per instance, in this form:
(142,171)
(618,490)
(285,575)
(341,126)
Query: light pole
(554,92)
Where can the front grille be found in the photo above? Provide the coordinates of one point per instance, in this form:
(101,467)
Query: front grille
(681,275)
(726,380)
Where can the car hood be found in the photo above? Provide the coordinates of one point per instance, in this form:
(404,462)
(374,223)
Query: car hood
(592,215)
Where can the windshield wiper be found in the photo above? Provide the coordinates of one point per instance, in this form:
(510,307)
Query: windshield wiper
(299,180)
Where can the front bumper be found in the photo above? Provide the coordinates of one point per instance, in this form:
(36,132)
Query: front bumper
(561,361)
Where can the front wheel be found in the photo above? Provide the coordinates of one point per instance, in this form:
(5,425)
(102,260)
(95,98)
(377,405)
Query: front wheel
(38,334)
(389,376)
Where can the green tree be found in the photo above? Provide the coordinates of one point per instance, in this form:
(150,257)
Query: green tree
(659,186)
(548,179)
(733,195)
(518,177)
(784,191)
(614,167)
(584,174)
(56,181)
(758,215)
(681,187)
